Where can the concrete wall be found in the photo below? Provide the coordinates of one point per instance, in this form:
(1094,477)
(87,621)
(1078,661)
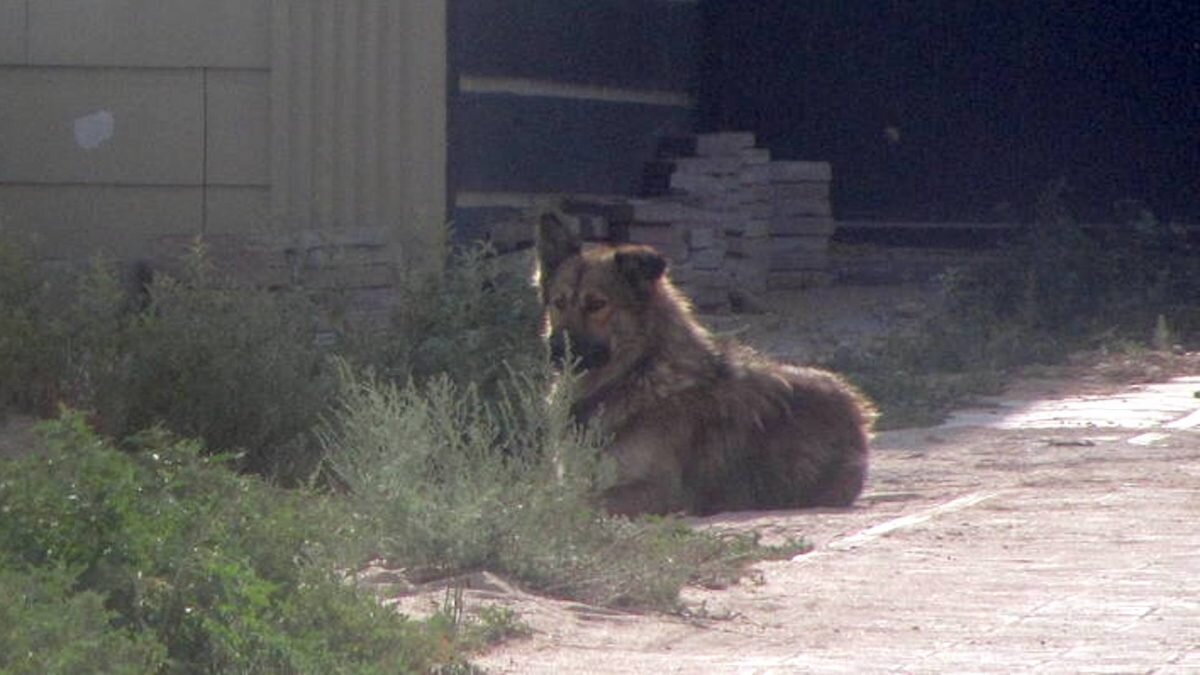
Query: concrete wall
(124,123)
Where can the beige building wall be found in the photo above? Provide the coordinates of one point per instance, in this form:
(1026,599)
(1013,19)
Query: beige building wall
(124,123)
(345,151)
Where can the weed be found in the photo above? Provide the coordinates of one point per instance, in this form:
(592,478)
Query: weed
(450,477)
(494,624)
(27,366)
(48,627)
(455,484)
(485,626)
(451,455)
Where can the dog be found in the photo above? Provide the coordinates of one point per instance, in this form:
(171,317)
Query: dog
(697,425)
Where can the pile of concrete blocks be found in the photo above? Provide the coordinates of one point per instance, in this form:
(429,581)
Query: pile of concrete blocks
(801,224)
(733,222)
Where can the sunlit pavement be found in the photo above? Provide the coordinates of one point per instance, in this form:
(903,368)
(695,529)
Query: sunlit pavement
(1172,405)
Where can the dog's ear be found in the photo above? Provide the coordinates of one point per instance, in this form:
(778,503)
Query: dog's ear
(641,266)
(555,243)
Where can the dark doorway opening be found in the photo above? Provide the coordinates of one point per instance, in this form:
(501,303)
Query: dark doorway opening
(966,111)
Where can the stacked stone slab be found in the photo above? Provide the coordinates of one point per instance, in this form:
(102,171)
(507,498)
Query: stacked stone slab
(693,239)
(801,224)
(733,222)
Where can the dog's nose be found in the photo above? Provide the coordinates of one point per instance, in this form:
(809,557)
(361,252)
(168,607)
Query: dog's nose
(586,353)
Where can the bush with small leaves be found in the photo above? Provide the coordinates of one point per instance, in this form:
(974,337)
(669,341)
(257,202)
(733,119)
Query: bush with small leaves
(184,566)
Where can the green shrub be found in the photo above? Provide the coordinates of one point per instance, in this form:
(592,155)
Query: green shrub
(27,371)
(1073,281)
(464,467)
(450,476)
(235,366)
(184,566)
(471,323)
(63,336)
(48,627)
(454,483)
(90,338)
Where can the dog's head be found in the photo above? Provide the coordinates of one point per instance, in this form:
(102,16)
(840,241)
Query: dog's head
(593,300)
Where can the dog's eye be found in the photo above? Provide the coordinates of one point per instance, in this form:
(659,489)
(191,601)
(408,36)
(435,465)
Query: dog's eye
(594,305)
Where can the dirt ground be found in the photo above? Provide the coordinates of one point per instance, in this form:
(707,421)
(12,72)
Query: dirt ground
(809,325)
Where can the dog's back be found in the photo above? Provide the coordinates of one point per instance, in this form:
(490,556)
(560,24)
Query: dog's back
(766,435)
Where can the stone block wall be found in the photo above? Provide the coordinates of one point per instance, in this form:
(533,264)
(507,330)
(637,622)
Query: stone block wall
(352,273)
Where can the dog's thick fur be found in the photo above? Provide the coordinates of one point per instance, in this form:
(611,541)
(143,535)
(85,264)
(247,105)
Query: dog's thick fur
(697,426)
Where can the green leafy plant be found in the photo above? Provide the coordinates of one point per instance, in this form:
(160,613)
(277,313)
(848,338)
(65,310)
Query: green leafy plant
(46,626)
(450,476)
(184,566)
(471,323)
(28,368)
(494,624)
(235,366)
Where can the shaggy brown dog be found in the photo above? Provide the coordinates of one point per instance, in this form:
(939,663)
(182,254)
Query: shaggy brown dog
(696,425)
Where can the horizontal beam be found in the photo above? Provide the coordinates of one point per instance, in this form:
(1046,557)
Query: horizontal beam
(517,86)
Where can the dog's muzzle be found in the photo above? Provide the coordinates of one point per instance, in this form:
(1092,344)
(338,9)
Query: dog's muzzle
(587,354)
